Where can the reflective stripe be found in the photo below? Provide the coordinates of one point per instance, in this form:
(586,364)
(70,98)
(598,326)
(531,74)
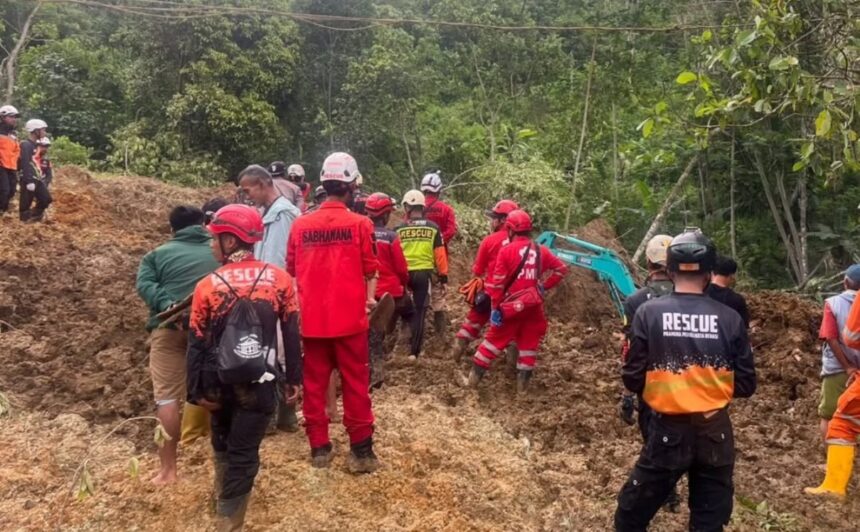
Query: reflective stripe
(846,417)
(839,441)
(471,324)
(492,285)
(848,334)
(463,333)
(521,365)
(528,353)
(490,347)
(482,358)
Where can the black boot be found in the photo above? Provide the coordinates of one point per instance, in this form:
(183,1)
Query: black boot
(287,419)
(321,456)
(523,378)
(361,458)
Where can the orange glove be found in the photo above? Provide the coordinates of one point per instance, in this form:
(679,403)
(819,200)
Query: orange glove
(471,289)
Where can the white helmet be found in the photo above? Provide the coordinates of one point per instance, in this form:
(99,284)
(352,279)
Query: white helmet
(339,166)
(296,170)
(35,124)
(431,183)
(413,198)
(44,141)
(657,249)
(8,110)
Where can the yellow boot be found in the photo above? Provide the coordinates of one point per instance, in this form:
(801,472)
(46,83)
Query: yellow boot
(840,462)
(195,424)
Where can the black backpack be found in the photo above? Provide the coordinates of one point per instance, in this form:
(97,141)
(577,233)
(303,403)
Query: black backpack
(241,355)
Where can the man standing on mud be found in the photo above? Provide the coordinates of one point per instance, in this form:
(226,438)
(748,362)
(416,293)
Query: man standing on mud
(333,257)
(689,356)
(166,277)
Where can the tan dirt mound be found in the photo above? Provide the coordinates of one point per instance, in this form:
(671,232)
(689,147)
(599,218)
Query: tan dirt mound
(73,343)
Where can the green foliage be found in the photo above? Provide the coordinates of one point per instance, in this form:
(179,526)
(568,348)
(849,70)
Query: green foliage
(66,151)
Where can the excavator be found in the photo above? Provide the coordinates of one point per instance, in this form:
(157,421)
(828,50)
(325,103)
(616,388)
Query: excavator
(605,263)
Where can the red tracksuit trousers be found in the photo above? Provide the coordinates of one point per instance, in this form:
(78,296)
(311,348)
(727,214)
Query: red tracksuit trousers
(472,325)
(349,355)
(525,331)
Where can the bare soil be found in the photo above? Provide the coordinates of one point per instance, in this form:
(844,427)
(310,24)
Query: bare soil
(73,353)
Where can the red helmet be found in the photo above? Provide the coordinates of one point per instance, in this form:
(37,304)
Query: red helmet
(519,221)
(241,221)
(503,208)
(378,204)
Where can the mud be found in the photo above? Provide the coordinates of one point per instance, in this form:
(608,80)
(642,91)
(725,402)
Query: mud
(74,359)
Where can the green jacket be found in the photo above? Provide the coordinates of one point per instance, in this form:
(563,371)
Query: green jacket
(171,271)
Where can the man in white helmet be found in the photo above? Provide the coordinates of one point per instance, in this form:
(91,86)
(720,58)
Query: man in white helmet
(440,213)
(10,153)
(426,259)
(296,175)
(657,284)
(285,186)
(33,186)
(332,254)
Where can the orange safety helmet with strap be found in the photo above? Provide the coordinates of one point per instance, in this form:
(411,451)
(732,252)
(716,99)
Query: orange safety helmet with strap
(503,208)
(519,221)
(378,204)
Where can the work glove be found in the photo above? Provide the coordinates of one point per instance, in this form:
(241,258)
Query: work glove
(627,409)
(31,187)
(496,318)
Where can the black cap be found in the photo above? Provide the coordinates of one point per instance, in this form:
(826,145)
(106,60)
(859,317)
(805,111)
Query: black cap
(692,252)
(278,169)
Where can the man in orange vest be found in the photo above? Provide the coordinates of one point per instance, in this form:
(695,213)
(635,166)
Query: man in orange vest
(10,152)
(844,426)
(689,357)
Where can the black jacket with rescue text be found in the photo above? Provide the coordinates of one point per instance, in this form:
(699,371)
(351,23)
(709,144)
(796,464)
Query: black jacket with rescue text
(689,354)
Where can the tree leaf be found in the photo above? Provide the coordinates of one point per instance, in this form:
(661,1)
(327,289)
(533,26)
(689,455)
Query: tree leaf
(823,123)
(707,35)
(647,126)
(806,150)
(782,63)
(160,437)
(661,107)
(798,166)
(133,467)
(686,77)
(745,38)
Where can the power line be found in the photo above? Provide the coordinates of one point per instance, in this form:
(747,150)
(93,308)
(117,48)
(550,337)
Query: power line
(164,9)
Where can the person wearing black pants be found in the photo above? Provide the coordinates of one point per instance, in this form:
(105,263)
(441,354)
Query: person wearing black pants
(419,284)
(10,152)
(689,357)
(32,185)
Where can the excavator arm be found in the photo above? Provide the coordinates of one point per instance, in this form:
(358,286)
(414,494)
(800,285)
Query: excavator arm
(605,263)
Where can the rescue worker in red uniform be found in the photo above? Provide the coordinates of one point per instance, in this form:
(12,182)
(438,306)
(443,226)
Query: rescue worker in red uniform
(332,254)
(441,214)
(240,412)
(485,261)
(689,357)
(10,153)
(393,277)
(516,291)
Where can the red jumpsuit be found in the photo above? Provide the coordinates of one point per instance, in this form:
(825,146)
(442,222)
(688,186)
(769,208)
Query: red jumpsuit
(529,327)
(483,267)
(331,252)
(441,214)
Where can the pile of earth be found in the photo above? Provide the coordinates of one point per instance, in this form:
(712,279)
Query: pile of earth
(74,357)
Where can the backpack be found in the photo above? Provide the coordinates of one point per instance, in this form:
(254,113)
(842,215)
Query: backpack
(240,353)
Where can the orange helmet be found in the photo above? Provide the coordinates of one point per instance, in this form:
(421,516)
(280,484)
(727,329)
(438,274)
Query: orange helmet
(241,221)
(519,221)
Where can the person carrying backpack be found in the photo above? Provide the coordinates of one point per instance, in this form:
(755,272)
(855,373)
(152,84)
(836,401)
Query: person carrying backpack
(33,187)
(332,253)
(43,161)
(233,367)
(441,214)
(516,291)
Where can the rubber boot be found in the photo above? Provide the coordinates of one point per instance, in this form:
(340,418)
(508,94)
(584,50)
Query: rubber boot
(440,323)
(511,356)
(287,420)
(460,347)
(195,424)
(840,462)
(475,376)
(361,458)
(523,378)
(321,456)
(231,513)
(218,484)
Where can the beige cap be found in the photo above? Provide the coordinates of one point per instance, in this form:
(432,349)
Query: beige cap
(657,249)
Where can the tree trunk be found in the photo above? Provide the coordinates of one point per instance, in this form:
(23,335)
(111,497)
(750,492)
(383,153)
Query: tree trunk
(408,155)
(777,217)
(582,130)
(667,203)
(802,206)
(16,51)
(732,228)
(615,152)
